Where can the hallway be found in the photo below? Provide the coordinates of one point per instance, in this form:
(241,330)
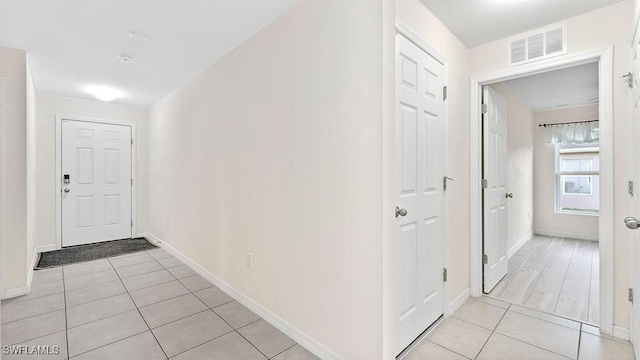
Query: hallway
(145,305)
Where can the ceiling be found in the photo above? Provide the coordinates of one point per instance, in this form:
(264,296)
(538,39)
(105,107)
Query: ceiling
(568,87)
(74,44)
(477,22)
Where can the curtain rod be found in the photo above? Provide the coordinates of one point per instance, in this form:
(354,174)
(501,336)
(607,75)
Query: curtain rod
(569,122)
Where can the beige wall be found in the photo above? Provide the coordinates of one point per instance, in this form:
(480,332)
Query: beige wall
(45,153)
(426,25)
(519,167)
(31,171)
(277,150)
(545,219)
(13,152)
(608,26)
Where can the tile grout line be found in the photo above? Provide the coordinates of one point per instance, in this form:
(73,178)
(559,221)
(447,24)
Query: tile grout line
(138,310)
(540,276)
(492,331)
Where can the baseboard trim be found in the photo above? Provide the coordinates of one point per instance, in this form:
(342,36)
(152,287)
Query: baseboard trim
(47,248)
(288,329)
(514,249)
(459,300)
(11,293)
(621,333)
(566,235)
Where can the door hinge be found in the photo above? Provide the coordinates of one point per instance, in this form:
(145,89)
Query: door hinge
(131,182)
(485,259)
(445,94)
(131,141)
(485,108)
(629,77)
(630,188)
(485,183)
(630,295)
(444,274)
(444,182)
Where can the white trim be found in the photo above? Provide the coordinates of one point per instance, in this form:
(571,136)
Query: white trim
(3,155)
(551,233)
(459,300)
(46,248)
(416,39)
(34,262)
(287,328)
(621,333)
(12,293)
(132,124)
(412,36)
(514,249)
(604,56)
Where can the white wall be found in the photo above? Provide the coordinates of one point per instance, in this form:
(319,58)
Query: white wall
(546,220)
(607,26)
(426,25)
(45,153)
(13,152)
(520,176)
(277,150)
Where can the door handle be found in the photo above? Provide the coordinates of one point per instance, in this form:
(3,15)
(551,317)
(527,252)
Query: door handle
(632,223)
(401,212)
(67,190)
(508,195)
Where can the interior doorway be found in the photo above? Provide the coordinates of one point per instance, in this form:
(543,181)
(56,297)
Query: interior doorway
(549,194)
(604,270)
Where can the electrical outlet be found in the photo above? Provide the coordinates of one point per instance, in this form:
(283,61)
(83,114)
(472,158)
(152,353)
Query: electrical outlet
(250,260)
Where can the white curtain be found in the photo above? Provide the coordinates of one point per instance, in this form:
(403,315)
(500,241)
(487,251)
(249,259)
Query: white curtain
(579,133)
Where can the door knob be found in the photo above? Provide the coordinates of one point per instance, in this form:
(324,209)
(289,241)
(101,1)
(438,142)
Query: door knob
(632,223)
(401,212)
(508,195)
(67,190)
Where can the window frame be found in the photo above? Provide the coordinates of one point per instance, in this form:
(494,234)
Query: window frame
(559,184)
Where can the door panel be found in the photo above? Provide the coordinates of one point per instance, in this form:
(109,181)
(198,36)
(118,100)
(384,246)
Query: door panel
(420,150)
(494,124)
(96,203)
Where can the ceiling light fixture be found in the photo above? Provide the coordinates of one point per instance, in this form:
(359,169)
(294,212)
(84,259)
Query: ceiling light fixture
(104,93)
(138,35)
(127,59)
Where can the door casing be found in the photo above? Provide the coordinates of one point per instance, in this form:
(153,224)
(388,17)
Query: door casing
(58,180)
(604,58)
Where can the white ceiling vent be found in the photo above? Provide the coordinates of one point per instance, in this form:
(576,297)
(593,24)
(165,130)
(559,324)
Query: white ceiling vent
(538,44)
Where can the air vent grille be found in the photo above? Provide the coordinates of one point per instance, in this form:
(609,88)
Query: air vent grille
(538,44)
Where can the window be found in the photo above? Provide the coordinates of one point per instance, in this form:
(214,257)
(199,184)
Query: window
(577,178)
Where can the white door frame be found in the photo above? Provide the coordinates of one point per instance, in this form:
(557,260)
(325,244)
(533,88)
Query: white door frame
(405,31)
(3,174)
(604,58)
(58,180)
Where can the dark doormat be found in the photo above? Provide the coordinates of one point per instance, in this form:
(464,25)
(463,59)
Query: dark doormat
(82,253)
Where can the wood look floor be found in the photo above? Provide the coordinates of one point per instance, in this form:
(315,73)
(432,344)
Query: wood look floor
(555,275)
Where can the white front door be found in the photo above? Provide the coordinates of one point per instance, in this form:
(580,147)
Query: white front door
(494,125)
(420,150)
(96,182)
(635,203)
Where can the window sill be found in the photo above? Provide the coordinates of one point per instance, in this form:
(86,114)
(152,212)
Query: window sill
(577,213)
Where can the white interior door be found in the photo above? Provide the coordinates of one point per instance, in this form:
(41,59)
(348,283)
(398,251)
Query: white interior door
(420,151)
(96,183)
(494,127)
(635,204)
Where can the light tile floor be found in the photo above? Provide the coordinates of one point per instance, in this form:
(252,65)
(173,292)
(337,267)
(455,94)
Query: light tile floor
(146,305)
(489,329)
